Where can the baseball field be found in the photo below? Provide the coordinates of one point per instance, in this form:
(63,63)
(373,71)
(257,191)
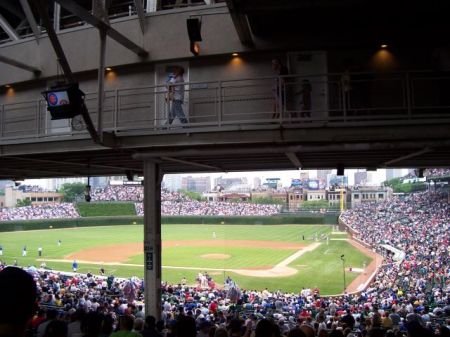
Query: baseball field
(285,257)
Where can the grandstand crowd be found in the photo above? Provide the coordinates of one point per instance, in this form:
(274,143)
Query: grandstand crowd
(173,203)
(430,173)
(194,207)
(406,298)
(437,172)
(47,211)
(119,193)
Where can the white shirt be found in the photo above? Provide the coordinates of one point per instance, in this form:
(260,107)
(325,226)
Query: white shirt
(177,89)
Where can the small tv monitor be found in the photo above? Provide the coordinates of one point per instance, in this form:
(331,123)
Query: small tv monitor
(64,101)
(57,98)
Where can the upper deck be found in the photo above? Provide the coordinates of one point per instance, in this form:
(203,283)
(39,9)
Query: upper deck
(389,116)
(396,120)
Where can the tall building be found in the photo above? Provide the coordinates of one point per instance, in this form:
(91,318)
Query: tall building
(97,182)
(256,182)
(322,174)
(360,177)
(172,182)
(393,173)
(304,175)
(196,184)
(371,179)
(226,183)
(55,184)
(3,183)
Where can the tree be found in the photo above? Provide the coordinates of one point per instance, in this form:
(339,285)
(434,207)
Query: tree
(72,192)
(398,186)
(193,195)
(23,202)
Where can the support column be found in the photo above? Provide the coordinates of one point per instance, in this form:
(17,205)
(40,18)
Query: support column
(152,238)
(56,17)
(100,10)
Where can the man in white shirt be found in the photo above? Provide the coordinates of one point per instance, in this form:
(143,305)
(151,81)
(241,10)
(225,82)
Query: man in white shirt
(176,96)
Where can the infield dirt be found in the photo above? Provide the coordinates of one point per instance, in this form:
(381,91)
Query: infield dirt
(122,252)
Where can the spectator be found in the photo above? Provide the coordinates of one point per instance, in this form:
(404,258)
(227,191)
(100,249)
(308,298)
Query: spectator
(176,96)
(47,211)
(56,328)
(125,328)
(150,328)
(50,316)
(18,295)
(74,327)
(91,326)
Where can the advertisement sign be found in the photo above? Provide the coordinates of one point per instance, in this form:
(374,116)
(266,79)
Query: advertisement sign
(339,181)
(296,183)
(272,182)
(313,184)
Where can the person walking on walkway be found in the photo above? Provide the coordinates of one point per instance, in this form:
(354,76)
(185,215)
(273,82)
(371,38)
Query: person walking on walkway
(176,96)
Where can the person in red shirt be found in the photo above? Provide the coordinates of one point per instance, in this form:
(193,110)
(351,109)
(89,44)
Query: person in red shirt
(213,307)
(38,319)
(304,313)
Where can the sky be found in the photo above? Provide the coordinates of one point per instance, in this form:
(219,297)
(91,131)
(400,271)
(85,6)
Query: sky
(378,176)
(285,176)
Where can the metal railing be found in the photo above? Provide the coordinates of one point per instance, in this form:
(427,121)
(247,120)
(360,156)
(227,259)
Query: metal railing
(118,9)
(251,103)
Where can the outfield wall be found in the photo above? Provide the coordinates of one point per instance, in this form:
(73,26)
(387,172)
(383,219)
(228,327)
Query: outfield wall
(9,226)
(352,232)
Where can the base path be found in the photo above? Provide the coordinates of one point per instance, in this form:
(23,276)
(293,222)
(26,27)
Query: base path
(280,269)
(362,280)
(123,251)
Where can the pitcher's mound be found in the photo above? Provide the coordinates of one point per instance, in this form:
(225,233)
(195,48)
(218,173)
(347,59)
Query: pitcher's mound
(216,256)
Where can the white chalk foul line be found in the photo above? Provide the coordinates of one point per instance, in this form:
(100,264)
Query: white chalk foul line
(280,269)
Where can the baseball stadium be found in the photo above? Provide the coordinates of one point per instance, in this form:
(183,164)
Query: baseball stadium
(224,168)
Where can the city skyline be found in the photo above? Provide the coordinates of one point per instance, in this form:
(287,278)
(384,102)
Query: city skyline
(377,177)
(286,176)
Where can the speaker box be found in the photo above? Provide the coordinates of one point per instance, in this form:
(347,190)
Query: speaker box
(194,29)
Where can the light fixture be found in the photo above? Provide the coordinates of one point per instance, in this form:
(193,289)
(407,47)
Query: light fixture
(87,193)
(194,26)
(87,190)
(7,86)
(340,169)
(195,48)
(384,46)
(419,172)
(235,54)
(108,68)
(130,175)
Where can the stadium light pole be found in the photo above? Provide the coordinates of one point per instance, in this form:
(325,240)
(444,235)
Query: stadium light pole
(343,269)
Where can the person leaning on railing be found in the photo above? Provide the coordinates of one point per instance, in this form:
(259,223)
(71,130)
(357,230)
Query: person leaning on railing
(176,96)
(278,89)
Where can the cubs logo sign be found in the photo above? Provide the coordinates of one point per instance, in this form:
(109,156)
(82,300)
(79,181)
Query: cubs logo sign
(52,99)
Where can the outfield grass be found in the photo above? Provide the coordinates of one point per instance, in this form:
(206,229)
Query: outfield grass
(321,267)
(239,257)
(87,209)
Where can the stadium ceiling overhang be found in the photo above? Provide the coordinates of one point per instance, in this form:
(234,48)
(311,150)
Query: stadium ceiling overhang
(223,158)
(342,24)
